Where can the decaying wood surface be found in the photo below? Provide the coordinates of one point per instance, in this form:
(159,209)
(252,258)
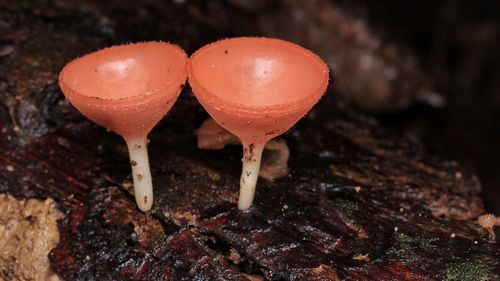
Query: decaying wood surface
(360,203)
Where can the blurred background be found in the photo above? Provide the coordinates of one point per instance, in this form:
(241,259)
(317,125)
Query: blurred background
(428,69)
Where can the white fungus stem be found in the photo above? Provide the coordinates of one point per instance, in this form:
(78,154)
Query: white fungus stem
(252,154)
(143,185)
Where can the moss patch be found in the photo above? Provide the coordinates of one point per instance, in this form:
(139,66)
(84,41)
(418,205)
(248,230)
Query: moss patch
(405,247)
(346,206)
(468,271)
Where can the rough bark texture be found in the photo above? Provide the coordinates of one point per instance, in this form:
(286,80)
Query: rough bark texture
(359,204)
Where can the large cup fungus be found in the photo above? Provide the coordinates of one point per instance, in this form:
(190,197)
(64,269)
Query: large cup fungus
(256,88)
(128,89)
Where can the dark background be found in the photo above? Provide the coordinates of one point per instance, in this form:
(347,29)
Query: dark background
(458,45)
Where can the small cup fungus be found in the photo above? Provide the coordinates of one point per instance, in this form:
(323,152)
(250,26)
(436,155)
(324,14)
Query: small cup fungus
(128,89)
(256,88)
(489,221)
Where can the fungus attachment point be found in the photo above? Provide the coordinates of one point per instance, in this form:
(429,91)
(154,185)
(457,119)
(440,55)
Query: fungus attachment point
(275,156)
(128,89)
(256,88)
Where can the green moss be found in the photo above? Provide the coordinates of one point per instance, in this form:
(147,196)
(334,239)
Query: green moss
(405,247)
(468,271)
(346,206)
(404,252)
(424,243)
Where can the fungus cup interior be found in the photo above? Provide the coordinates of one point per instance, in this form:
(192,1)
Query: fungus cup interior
(128,89)
(256,88)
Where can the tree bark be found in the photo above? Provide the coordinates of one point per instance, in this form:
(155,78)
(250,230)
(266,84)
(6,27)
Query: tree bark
(360,203)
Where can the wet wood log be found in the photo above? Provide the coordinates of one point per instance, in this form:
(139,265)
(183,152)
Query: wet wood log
(360,203)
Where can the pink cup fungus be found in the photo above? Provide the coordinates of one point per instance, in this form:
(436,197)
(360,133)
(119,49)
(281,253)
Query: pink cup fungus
(256,88)
(128,89)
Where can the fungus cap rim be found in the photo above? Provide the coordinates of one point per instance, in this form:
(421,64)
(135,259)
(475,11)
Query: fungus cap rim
(180,78)
(239,108)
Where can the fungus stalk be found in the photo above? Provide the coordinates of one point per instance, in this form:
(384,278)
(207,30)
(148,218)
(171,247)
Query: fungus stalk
(143,185)
(252,155)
